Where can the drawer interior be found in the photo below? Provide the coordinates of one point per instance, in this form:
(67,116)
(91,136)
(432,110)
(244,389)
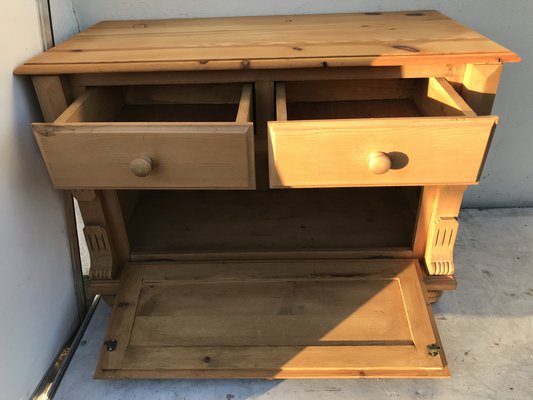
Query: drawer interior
(266,223)
(368,98)
(229,102)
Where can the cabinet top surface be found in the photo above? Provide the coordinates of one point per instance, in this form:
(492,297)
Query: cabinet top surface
(296,41)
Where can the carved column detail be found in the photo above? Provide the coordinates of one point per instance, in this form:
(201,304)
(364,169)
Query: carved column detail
(104,232)
(99,245)
(442,231)
(439,250)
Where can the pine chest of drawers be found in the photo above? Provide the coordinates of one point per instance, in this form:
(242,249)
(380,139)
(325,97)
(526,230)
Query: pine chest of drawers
(270,197)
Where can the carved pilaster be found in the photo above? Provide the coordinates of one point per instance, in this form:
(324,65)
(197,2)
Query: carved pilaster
(442,232)
(99,245)
(104,232)
(441,241)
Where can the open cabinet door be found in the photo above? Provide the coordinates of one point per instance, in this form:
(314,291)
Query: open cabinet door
(276,319)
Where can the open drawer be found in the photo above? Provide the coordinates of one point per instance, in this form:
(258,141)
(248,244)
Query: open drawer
(375,133)
(275,319)
(166,136)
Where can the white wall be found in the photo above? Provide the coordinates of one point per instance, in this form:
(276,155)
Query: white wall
(507,178)
(37,302)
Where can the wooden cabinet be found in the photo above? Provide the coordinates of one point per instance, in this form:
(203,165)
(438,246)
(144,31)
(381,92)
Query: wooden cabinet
(355,136)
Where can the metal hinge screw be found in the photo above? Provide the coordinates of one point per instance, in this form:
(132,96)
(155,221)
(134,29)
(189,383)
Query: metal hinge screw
(433,349)
(111,345)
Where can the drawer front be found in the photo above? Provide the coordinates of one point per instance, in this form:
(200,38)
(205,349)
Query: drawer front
(378,152)
(148,156)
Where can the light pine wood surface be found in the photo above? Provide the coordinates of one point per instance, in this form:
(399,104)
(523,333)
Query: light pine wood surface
(335,153)
(392,38)
(272,320)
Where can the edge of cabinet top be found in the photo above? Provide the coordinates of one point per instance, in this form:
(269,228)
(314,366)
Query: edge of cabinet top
(295,41)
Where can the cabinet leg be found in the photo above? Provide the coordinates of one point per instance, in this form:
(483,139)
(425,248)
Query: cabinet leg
(434,295)
(109,300)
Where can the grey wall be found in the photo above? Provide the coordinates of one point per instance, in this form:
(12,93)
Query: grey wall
(506,180)
(37,301)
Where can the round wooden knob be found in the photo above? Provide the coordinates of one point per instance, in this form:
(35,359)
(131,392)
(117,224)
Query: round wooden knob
(141,166)
(379,162)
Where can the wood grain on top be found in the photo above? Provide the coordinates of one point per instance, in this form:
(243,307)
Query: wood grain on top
(296,41)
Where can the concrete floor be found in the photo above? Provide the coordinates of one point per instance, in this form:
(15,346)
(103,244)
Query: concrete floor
(486,328)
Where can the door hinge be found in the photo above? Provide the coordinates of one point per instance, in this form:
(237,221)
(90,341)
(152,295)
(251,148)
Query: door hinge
(433,349)
(111,345)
